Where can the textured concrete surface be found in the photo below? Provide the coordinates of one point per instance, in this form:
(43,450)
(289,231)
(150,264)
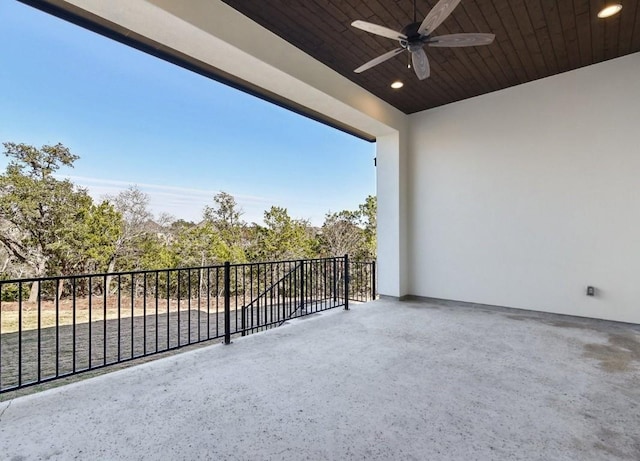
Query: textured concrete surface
(386,380)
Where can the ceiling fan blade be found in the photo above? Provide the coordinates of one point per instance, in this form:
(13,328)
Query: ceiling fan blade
(439,13)
(420,63)
(458,40)
(378,60)
(379,30)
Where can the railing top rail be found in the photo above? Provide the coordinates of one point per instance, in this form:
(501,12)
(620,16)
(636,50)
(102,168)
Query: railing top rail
(170,269)
(328,258)
(106,274)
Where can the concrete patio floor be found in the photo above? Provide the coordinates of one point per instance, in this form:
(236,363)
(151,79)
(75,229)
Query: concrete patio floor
(385,380)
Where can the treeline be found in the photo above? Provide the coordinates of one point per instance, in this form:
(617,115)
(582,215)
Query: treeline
(50,226)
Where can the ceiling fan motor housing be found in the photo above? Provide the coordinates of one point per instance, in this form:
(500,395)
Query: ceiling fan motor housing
(411,31)
(414,39)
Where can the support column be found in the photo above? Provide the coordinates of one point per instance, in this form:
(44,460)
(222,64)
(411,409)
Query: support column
(391,155)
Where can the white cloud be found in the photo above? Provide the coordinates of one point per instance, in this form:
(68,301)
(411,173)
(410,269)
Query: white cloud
(161,188)
(188,203)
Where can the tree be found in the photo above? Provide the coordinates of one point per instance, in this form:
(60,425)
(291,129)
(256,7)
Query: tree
(198,245)
(67,254)
(202,245)
(49,226)
(37,164)
(341,235)
(38,213)
(156,253)
(225,217)
(87,241)
(351,232)
(133,206)
(368,213)
(282,237)
(101,228)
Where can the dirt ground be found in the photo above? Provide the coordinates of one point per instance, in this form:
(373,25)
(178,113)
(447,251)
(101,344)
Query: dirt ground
(84,310)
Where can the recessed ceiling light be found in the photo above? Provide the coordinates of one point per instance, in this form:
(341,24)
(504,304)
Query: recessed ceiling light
(609,10)
(397,85)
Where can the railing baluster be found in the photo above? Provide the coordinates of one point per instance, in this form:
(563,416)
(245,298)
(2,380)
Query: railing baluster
(199,299)
(257,308)
(227,303)
(133,285)
(157,293)
(217,301)
(144,314)
(57,329)
(284,300)
(208,303)
(302,280)
(292,299)
(73,300)
(39,331)
(104,319)
(243,313)
(346,282)
(266,299)
(315,286)
(178,294)
(235,281)
(1,286)
(189,306)
(90,301)
(168,309)
(20,333)
(119,291)
(324,286)
(335,280)
(270,317)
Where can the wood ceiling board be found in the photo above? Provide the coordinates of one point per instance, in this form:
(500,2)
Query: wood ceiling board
(626,29)
(534,39)
(635,39)
(554,25)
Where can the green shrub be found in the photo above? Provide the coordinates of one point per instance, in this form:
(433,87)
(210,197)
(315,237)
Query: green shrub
(9,291)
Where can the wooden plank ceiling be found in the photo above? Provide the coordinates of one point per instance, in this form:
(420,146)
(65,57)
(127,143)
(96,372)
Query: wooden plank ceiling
(534,39)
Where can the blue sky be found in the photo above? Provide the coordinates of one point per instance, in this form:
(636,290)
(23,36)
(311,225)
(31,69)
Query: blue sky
(134,119)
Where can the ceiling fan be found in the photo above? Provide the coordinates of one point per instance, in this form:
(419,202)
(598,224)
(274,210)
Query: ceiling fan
(416,35)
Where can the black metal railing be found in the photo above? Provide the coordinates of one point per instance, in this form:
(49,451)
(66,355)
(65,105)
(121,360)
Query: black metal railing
(58,326)
(363,281)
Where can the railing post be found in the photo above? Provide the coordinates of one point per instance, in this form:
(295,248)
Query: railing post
(346,282)
(373,281)
(301,285)
(227,302)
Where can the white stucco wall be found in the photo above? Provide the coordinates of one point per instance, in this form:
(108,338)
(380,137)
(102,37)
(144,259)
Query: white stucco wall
(523,197)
